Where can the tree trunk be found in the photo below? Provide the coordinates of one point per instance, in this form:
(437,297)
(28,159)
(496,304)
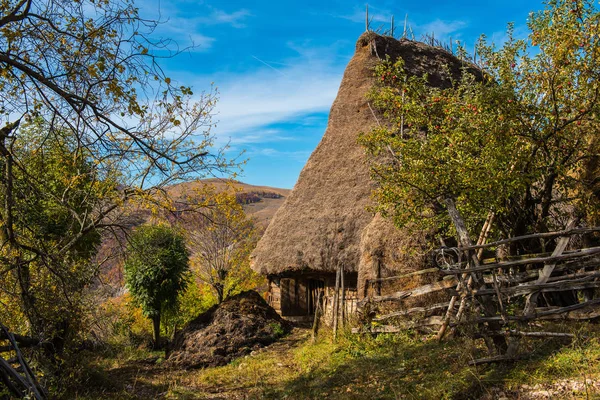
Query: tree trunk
(156,331)
(220,292)
(343,302)
(336,305)
(315,327)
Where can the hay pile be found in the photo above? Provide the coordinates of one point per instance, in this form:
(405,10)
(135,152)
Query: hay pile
(234,328)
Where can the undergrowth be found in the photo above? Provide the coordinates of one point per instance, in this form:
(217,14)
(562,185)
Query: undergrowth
(400,366)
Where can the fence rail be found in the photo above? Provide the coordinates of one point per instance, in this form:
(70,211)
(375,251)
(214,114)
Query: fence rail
(480,291)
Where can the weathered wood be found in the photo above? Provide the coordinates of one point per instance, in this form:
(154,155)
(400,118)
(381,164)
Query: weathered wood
(542,288)
(545,273)
(485,231)
(419,291)
(10,378)
(529,276)
(475,278)
(503,265)
(414,310)
(342,283)
(551,313)
(29,376)
(315,327)
(336,305)
(13,376)
(402,327)
(23,341)
(409,275)
(482,238)
(545,235)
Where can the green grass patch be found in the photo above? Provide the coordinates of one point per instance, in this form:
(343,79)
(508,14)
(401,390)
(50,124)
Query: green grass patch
(398,366)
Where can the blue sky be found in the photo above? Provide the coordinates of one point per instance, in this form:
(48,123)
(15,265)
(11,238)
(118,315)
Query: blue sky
(278,65)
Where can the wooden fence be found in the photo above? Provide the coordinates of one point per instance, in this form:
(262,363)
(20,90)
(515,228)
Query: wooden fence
(15,373)
(500,298)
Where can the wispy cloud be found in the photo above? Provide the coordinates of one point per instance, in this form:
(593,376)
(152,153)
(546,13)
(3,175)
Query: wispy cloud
(358,14)
(250,103)
(301,155)
(235,19)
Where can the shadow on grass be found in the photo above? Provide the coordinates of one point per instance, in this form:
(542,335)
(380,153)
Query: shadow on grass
(426,370)
(133,379)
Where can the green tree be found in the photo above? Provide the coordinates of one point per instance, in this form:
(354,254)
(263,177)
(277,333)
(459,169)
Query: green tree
(156,271)
(513,139)
(87,71)
(55,190)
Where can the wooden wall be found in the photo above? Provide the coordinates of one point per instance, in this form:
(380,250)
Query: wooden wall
(291,296)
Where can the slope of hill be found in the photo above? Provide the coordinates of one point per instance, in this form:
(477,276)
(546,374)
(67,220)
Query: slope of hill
(259,202)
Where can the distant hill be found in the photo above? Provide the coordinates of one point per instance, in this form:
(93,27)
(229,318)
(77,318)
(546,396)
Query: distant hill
(259,202)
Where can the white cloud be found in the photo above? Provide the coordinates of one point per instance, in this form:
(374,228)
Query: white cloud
(234,19)
(300,156)
(249,103)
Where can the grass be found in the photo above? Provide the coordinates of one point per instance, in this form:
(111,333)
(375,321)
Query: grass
(406,366)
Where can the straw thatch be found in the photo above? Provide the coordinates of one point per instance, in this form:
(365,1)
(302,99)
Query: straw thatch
(325,219)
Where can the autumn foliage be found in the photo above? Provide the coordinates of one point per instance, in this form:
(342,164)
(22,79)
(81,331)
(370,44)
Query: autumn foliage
(515,139)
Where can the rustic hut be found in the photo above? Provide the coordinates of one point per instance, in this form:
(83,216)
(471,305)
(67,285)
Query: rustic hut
(325,222)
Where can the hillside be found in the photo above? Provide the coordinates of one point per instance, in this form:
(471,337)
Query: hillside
(259,202)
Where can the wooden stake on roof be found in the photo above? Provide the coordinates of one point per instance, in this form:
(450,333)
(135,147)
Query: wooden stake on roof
(367,19)
(405,24)
(392,26)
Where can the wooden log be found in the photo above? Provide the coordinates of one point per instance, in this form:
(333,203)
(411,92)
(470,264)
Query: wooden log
(336,305)
(33,384)
(414,310)
(503,265)
(427,322)
(549,266)
(7,378)
(577,275)
(409,275)
(343,294)
(545,235)
(463,301)
(489,307)
(23,341)
(552,313)
(18,381)
(542,288)
(315,327)
(419,291)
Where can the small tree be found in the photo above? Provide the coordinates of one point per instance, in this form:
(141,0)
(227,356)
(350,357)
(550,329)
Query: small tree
(221,241)
(156,271)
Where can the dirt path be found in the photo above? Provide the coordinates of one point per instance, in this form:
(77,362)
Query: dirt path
(243,378)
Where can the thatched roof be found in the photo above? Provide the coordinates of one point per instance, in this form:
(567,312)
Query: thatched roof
(324,217)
